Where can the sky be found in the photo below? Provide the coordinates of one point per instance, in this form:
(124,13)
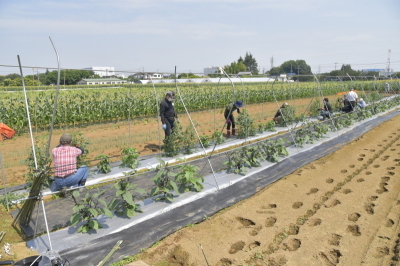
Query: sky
(157,35)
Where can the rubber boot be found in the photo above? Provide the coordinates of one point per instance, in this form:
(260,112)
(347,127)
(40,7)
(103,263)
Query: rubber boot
(233,132)
(228,133)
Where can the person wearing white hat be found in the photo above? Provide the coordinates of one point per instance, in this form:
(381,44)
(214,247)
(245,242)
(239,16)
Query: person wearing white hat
(278,116)
(361,103)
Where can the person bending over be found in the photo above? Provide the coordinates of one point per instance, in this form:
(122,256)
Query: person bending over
(230,119)
(279,116)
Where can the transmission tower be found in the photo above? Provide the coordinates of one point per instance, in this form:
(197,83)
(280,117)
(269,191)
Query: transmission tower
(388,63)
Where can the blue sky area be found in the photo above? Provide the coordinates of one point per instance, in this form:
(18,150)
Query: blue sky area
(159,35)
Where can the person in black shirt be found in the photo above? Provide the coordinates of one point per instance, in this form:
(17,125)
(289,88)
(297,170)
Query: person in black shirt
(278,116)
(168,114)
(326,111)
(230,120)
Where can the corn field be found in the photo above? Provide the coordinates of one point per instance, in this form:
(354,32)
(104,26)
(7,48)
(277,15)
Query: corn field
(78,107)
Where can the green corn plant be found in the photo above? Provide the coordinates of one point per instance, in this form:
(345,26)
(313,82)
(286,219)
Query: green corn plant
(124,202)
(164,182)
(130,158)
(188,179)
(87,209)
(103,165)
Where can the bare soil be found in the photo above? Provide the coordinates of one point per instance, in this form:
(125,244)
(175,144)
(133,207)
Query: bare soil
(343,209)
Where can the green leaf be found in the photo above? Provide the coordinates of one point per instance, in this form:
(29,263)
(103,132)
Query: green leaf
(154,191)
(119,193)
(107,212)
(169,197)
(75,218)
(174,186)
(93,224)
(76,193)
(140,191)
(93,212)
(128,198)
(130,212)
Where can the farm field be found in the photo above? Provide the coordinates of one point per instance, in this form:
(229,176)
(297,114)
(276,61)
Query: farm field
(111,138)
(291,223)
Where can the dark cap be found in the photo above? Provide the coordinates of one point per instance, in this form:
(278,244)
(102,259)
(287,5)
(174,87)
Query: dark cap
(171,93)
(239,104)
(66,138)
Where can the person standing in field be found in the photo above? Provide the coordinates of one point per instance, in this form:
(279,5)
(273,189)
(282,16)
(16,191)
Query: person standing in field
(230,119)
(387,87)
(168,114)
(66,173)
(351,97)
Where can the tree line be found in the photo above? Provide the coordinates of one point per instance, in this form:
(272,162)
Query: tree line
(67,77)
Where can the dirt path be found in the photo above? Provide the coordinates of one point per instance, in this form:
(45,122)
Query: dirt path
(110,139)
(342,209)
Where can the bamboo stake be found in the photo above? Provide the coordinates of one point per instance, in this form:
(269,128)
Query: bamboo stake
(110,253)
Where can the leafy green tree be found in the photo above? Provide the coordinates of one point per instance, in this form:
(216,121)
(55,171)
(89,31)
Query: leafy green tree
(235,67)
(299,67)
(187,76)
(275,71)
(251,63)
(68,76)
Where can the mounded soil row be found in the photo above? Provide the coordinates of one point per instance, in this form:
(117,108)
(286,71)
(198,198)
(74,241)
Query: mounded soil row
(342,209)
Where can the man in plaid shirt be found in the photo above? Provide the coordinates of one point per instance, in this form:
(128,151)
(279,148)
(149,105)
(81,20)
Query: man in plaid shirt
(65,170)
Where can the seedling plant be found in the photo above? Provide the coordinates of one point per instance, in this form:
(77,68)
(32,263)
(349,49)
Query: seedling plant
(218,137)
(130,158)
(124,202)
(205,140)
(164,182)
(88,209)
(103,166)
(188,179)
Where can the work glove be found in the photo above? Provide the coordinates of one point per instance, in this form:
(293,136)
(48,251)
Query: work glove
(164,126)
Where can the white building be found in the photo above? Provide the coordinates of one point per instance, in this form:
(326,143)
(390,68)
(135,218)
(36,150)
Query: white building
(100,81)
(212,70)
(143,75)
(102,71)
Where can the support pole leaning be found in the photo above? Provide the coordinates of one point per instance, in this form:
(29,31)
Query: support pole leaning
(194,127)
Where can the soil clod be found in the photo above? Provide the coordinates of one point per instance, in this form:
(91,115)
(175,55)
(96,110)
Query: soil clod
(354,217)
(354,230)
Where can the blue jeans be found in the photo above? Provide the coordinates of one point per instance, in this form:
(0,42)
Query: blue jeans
(72,181)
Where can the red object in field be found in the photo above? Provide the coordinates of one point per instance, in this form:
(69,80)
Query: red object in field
(6,132)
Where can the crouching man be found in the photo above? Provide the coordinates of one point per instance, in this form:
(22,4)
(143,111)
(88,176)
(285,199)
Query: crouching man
(66,173)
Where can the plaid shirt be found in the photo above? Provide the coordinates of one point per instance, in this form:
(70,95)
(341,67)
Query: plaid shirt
(65,160)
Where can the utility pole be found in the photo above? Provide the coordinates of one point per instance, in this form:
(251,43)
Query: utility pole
(272,62)
(335,65)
